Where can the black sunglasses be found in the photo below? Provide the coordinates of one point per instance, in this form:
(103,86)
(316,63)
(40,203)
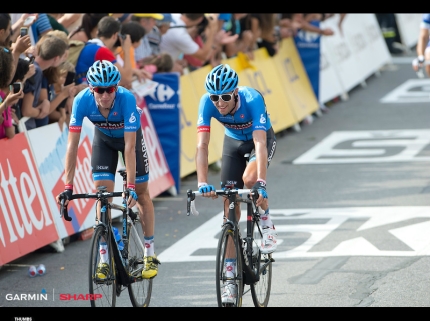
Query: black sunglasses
(102,90)
(225,97)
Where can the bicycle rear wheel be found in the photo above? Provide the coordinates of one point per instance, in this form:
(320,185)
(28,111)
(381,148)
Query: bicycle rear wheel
(261,264)
(229,246)
(103,291)
(139,291)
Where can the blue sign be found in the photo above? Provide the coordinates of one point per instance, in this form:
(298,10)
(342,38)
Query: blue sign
(309,46)
(164,106)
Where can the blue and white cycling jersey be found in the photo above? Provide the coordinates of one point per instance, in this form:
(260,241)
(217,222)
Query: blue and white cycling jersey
(124,116)
(250,115)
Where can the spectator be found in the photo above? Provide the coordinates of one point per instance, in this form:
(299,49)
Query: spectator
(8,97)
(178,42)
(148,21)
(160,28)
(17,21)
(53,20)
(161,63)
(104,48)
(121,17)
(136,32)
(51,53)
(246,39)
(87,30)
(60,94)
(71,21)
(17,48)
(38,28)
(288,26)
(263,28)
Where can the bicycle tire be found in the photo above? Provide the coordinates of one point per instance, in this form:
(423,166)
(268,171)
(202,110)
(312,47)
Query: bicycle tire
(104,289)
(228,235)
(260,290)
(139,291)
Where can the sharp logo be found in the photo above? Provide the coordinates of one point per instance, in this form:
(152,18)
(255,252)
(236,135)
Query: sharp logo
(161,93)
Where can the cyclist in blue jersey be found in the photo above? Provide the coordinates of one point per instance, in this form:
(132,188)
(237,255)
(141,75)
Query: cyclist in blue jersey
(248,130)
(423,45)
(113,111)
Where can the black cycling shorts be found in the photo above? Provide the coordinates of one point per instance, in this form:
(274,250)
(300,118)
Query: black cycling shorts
(234,161)
(104,159)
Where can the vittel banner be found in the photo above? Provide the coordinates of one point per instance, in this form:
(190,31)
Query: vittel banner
(26,221)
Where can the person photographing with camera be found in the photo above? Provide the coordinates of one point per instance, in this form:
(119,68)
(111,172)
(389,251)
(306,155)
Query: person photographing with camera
(104,48)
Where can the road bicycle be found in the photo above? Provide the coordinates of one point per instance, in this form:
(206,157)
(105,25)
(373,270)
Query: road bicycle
(253,268)
(125,268)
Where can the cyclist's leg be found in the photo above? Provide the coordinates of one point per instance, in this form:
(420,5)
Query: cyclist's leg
(427,59)
(232,166)
(104,161)
(250,177)
(145,206)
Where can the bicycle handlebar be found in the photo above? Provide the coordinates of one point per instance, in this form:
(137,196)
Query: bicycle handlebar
(63,209)
(191,196)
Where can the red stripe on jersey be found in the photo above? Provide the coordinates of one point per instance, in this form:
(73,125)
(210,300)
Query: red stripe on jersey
(75,129)
(206,129)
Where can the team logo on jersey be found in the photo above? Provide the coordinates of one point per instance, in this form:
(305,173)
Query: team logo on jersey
(262,119)
(200,120)
(242,116)
(72,119)
(132,118)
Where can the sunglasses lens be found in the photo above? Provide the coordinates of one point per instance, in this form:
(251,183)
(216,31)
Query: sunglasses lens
(226,97)
(214,98)
(109,90)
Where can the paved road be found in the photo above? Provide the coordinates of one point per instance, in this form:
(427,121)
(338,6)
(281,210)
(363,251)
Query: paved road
(350,198)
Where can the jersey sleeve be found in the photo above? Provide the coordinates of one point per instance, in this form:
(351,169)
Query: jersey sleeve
(104,53)
(131,113)
(258,111)
(425,21)
(205,114)
(77,115)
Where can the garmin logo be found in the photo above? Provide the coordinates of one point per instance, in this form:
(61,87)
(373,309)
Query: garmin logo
(27,297)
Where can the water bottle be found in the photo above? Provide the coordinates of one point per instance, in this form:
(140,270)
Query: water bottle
(32,272)
(118,238)
(41,270)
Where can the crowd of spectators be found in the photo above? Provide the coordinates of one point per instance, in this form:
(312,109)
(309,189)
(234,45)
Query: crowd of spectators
(34,67)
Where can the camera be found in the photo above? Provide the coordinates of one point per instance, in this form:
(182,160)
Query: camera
(24,31)
(30,59)
(118,42)
(16,87)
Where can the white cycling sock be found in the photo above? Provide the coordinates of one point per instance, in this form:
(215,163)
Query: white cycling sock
(103,252)
(266,221)
(230,268)
(149,245)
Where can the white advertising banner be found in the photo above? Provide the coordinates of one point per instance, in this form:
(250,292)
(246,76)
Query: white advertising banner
(409,27)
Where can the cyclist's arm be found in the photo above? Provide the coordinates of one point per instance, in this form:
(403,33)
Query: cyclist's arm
(259,137)
(71,155)
(422,41)
(130,156)
(202,153)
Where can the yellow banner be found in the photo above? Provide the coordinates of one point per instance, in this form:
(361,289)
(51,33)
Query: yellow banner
(294,79)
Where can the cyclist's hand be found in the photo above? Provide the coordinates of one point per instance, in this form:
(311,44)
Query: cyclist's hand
(66,195)
(207,190)
(418,63)
(260,187)
(132,197)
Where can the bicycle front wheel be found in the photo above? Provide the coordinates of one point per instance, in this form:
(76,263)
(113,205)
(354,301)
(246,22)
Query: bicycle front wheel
(229,282)
(103,290)
(140,290)
(262,266)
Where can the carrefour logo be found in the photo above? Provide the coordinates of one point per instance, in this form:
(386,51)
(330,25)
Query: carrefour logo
(162,93)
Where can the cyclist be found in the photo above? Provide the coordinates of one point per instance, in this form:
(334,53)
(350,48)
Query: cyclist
(113,111)
(423,45)
(248,129)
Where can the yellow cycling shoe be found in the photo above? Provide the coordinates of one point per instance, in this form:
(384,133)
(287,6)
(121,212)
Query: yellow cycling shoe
(151,267)
(102,271)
